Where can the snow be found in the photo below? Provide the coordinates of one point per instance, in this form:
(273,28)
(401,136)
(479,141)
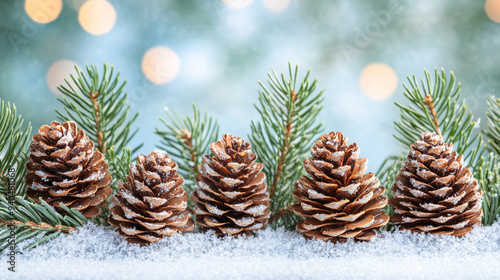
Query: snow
(94,251)
(256,210)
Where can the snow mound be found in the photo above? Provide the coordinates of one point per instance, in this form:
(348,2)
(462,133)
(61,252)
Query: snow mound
(94,252)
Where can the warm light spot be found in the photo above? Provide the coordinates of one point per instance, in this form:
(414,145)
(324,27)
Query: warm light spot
(97,17)
(43,11)
(59,71)
(378,81)
(237,4)
(160,65)
(492,8)
(276,5)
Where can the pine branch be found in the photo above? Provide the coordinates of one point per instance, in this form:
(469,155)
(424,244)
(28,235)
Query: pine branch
(33,223)
(284,135)
(186,141)
(493,122)
(487,174)
(119,165)
(14,141)
(430,103)
(99,106)
(387,177)
(435,106)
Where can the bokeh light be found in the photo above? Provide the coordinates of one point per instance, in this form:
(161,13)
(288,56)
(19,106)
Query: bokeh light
(276,5)
(97,17)
(59,71)
(43,11)
(238,4)
(492,8)
(160,65)
(378,81)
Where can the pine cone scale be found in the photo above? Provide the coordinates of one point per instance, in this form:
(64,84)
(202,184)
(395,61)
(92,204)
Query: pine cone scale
(433,193)
(151,204)
(60,171)
(232,195)
(340,201)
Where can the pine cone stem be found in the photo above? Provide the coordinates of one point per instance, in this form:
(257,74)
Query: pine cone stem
(99,133)
(285,148)
(430,103)
(33,226)
(186,136)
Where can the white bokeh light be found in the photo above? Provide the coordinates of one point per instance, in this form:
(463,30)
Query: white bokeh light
(160,65)
(59,71)
(43,11)
(378,81)
(237,4)
(97,17)
(276,5)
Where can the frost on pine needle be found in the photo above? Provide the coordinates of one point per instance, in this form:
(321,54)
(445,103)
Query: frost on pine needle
(94,251)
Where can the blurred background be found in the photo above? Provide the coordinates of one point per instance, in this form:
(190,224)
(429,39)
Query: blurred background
(212,53)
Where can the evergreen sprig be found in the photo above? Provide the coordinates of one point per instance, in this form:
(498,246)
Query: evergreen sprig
(15,137)
(119,165)
(32,222)
(386,174)
(186,140)
(493,123)
(287,129)
(487,174)
(435,106)
(98,104)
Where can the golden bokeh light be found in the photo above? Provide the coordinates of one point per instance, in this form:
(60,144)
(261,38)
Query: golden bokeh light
(237,4)
(97,17)
(43,11)
(160,65)
(276,5)
(492,8)
(378,81)
(59,71)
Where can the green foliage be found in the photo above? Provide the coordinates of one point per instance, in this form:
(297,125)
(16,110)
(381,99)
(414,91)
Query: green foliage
(119,165)
(283,136)
(186,140)
(33,223)
(387,176)
(487,174)
(99,106)
(493,122)
(452,120)
(14,140)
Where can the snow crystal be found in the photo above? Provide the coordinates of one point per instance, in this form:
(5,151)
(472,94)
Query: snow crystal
(256,210)
(159,152)
(214,210)
(94,251)
(58,191)
(478,123)
(41,173)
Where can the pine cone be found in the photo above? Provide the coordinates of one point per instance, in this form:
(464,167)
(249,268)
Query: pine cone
(340,201)
(152,203)
(433,192)
(232,197)
(64,168)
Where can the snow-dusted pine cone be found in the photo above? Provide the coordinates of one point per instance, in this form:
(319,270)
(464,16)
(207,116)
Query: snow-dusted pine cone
(64,168)
(232,196)
(152,203)
(339,201)
(433,192)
